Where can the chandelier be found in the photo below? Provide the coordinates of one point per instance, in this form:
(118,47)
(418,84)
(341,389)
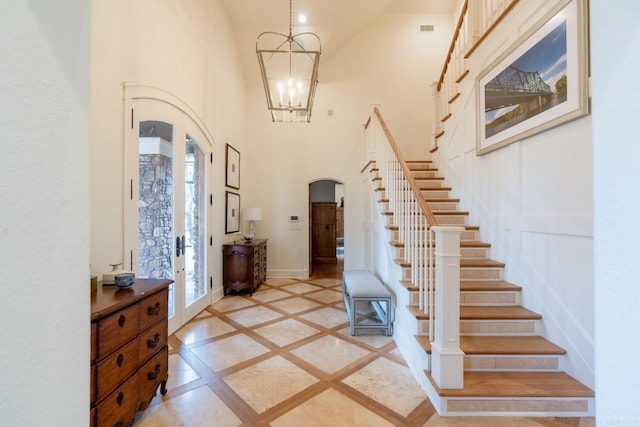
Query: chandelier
(289,69)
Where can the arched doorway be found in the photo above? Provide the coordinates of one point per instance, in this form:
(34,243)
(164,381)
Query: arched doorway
(326,231)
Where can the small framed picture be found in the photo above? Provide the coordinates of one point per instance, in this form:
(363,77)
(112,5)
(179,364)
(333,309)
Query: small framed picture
(233,167)
(232,221)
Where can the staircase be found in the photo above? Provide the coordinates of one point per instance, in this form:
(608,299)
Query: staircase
(508,368)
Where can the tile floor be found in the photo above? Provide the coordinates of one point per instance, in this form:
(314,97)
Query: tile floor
(284,357)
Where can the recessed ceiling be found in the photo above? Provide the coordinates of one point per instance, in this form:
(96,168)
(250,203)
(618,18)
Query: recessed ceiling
(334,21)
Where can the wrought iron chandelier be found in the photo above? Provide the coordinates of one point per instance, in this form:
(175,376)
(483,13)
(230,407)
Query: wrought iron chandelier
(289,68)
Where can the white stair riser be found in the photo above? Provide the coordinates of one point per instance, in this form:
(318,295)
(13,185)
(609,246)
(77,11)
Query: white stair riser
(428,184)
(469,235)
(490,298)
(424,174)
(542,407)
(442,206)
(435,194)
(488,327)
(534,362)
(497,327)
(420,165)
(480,273)
(506,298)
(451,219)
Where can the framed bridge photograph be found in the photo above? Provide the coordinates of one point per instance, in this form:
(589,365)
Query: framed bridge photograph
(540,82)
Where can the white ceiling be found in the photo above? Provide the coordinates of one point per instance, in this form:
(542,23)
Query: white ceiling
(334,21)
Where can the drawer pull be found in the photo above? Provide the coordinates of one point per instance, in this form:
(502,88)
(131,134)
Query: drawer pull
(154,342)
(120,398)
(154,375)
(120,360)
(154,310)
(121,320)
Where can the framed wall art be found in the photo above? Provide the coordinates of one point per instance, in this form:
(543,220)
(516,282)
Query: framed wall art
(232,217)
(232,157)
(540,82)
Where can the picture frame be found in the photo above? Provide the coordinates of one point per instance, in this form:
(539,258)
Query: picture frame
(232,209)
(539,82)
(232,162)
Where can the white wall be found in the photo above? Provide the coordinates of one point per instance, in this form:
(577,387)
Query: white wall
(391,63)
(44,219)
(533,203)
(615,68)
(184,48)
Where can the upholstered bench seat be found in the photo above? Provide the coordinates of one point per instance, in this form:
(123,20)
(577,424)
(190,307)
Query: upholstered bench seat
(363,287)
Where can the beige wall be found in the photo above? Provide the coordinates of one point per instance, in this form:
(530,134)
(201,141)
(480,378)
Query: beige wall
(183,48)
(44,214)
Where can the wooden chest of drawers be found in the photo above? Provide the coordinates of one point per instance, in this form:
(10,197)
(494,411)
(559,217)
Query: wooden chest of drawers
(129,354)
(244,265)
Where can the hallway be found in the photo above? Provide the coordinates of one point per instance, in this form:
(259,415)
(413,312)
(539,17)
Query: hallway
(284,357)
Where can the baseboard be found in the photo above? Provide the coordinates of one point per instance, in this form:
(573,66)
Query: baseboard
(288,274)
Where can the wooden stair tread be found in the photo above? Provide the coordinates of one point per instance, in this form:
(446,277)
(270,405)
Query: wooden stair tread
(500,345)
(441,199)
(471,286)
(417,312)
(508,345)
(436,213)
(497,312)
(474,244)
(487,286)
(480,263)
(463,244)
(517,385)
(464,263)
(466,227)
(409,286)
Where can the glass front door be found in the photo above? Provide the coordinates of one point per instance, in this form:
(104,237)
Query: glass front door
(168,184)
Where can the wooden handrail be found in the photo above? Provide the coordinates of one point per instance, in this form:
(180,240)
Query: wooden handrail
(456,34)
(407,172)
(452,46)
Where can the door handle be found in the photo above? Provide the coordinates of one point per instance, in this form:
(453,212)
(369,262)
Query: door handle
(183,245)
(178,244)
(326,227)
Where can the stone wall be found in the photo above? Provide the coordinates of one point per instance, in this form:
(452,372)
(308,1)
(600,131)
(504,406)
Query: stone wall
(155,210)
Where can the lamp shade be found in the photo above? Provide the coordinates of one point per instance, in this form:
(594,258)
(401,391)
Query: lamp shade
(252,214)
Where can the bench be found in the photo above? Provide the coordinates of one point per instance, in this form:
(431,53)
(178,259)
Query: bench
(363,287)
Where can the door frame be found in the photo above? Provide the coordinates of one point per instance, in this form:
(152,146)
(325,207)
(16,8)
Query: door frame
(137,95)
(310,209)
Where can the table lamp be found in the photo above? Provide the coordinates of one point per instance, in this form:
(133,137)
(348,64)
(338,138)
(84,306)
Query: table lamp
(252,215)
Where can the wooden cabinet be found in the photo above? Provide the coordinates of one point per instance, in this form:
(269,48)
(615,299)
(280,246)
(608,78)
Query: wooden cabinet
(339,223)
(323,232)
(129,353)
(244,265)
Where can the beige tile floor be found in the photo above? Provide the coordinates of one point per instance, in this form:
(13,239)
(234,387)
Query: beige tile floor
(284,357)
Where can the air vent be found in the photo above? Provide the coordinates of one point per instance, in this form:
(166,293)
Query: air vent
(426,27)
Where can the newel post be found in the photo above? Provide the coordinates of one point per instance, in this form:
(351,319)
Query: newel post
(447,364)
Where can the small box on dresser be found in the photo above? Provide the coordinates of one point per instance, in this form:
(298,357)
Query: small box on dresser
(129,353)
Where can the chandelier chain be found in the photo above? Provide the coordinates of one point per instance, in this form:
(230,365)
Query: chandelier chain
(290,19)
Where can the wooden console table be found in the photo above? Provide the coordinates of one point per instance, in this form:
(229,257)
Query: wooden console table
(129,353)
(244,265)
